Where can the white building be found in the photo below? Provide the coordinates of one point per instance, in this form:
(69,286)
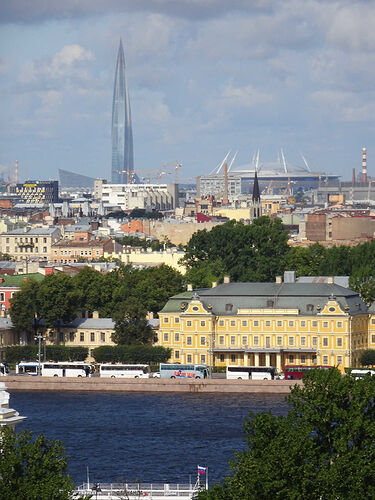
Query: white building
(145,196)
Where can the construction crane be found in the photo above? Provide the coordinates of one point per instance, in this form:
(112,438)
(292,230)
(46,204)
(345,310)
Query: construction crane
(176,164)
(157,174)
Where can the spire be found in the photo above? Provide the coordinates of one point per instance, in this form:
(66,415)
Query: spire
(256,192)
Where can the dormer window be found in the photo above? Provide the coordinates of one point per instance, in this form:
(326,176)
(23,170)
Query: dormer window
(270,303)
(309,307)
(228,307)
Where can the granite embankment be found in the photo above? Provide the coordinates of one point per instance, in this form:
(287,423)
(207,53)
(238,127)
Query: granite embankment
(20,383)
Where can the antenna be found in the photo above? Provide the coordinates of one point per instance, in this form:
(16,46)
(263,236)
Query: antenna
(305,162)
(284,162)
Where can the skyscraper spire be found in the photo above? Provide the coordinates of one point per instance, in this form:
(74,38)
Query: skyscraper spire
(122,133)
(256,191)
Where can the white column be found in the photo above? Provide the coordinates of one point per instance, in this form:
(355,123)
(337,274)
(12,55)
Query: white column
(268,359)
(246,359)
(256,359)
(278,362)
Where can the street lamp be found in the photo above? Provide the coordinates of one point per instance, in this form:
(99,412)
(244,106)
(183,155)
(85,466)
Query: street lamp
(39,337)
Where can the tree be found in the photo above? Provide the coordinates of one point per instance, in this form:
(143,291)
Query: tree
(131,325)
(362,281)
(33,469)
(23,306)
(323,448)
(255,252)
(367,357)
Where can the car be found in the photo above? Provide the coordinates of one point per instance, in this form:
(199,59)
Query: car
(155,375)
(280,376)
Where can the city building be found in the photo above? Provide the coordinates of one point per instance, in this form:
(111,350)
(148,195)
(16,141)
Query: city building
(38,192)
(26,243)
(265,324)
(144,196)
(8,336)
(122,133)
(70,251)
(11,284)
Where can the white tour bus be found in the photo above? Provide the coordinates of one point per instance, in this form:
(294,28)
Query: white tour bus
(251,372)
(362,373)
(175,370)
(4,370)
(55,369)
(124,371)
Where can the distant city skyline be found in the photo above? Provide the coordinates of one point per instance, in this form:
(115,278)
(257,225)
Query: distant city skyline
(122,132)
(204,77)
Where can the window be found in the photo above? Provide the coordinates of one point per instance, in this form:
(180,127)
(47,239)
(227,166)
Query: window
(303,359)
(279,341)
(82,337)
(373,321)
(325,341)
(291,359)
(269,303)
(303,341)
(61,337)
(177,354)
(222,358)
(244,340)
(373,339)
(268,323)
(309,307)
(325,360)
(232,358)
(188,323)
(291,323)
(325,324)
(221,322)
(203,359)
(203,340)
(92,337)
(176,337)
(188,341)
(268,342)
(166,336)
(291,340)
(339,360)
(102,336)
(313,359)
(177,320)
(256,323)
(189,358)
(232,323)
(339,324)
(244,323)
(228,307)
(166,320)
(279,323)
(256,340)
(314,324)
(44,249)
(339,342)
(203,323)
(303,324)
(71,336)
(221,340)
(6,240)
(233,340)
(2,297)
(44,240)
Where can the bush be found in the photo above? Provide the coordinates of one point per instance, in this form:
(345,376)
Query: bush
(15,354)
(131,354)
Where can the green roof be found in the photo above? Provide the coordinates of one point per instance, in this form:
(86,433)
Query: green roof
(18,279)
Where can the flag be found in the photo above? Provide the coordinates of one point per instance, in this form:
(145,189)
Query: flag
(201,470)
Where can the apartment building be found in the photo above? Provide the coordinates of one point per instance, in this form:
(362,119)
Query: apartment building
(25,243)
(265,324)
(70,251)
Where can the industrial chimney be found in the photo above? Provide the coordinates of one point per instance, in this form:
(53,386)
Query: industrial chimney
(225,194)
(353,177)
(364,165)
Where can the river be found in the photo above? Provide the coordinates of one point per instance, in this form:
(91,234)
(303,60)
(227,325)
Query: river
(148,437)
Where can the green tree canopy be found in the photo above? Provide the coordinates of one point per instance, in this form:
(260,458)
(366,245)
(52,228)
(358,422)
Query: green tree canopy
(32,469)
(57,299)
(131,325)
(254,252)
(367,357)
(322,449)
(24,305)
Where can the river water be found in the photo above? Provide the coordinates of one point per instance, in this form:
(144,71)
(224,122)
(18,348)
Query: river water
(145,436)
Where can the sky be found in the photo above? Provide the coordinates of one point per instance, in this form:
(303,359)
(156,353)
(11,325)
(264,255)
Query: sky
(204,77)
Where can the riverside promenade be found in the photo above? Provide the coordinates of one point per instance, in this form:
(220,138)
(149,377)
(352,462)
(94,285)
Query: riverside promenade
(96,384)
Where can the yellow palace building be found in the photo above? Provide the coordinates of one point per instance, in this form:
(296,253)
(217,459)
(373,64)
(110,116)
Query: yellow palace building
(267,324)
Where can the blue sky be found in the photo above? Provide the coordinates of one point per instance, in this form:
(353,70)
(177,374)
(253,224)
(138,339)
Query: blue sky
(204,76)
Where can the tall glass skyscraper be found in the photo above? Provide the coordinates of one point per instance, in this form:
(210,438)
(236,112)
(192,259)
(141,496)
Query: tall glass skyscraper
(122,133)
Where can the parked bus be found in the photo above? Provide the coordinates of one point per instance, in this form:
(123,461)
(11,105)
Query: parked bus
(362,373)
(169,370)
(4,370)
(124,371)
(55,369)
(251,372)
(295,372)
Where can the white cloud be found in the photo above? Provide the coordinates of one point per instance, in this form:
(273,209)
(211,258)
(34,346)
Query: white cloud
(244,97)
(344,106)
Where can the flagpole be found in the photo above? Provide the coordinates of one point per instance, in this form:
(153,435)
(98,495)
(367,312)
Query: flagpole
(206,478)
